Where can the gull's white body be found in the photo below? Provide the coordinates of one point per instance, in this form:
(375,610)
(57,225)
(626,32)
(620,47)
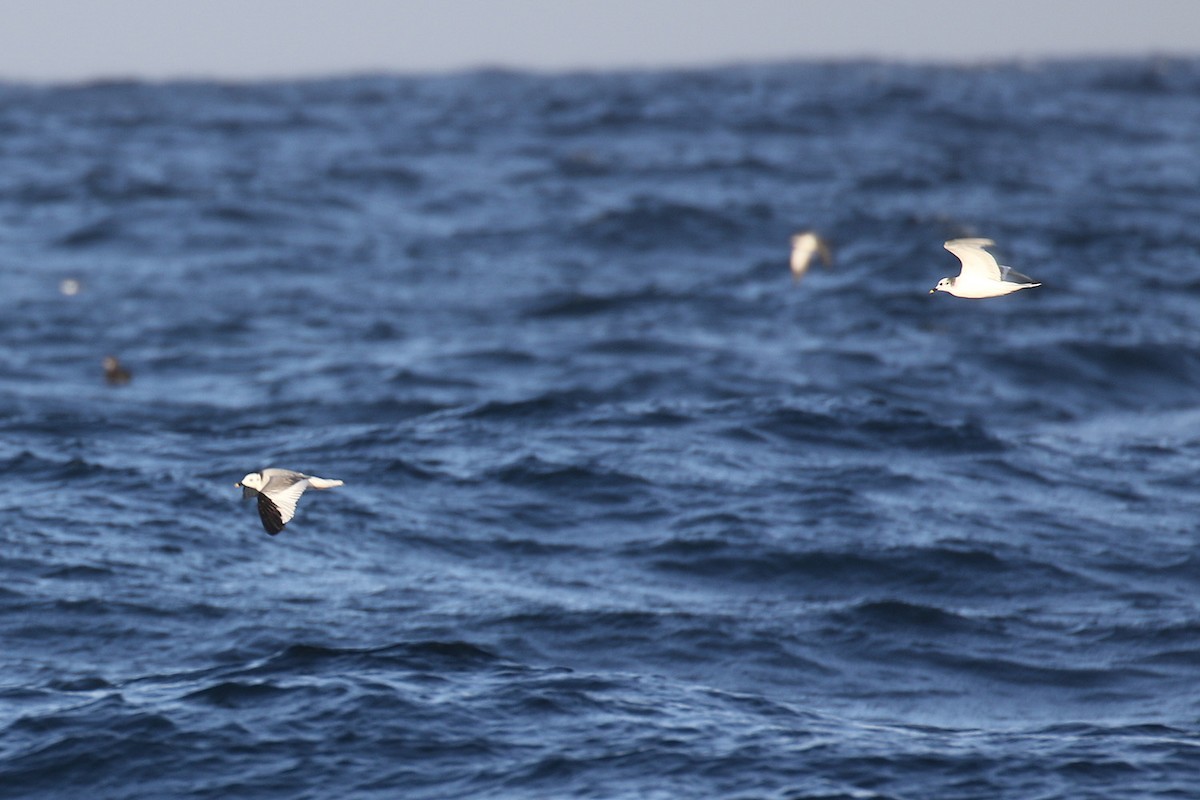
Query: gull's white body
(804,247)
(980,275)
(277,491)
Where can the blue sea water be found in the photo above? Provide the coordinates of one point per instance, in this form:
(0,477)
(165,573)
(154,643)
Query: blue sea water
(627,513)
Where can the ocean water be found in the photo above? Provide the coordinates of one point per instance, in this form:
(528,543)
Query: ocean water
(627,512)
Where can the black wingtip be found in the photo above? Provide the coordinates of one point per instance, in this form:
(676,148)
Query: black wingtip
(272,520)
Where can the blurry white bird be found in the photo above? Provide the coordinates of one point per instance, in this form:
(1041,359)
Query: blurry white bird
(804,247)
(277,491)
(980,275)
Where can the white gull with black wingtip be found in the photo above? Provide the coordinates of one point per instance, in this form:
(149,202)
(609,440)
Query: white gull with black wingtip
(277,491)
(980,275)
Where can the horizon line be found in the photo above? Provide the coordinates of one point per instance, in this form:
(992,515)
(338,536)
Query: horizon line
(485,66)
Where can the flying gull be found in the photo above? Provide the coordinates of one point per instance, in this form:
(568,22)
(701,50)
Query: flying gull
(804,247)
(980,276)
(277,491)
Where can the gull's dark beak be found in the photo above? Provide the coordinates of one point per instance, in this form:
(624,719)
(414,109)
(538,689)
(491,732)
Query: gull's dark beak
(933,291)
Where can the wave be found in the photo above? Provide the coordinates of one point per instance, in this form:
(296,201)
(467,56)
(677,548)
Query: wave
(1088,374)
(880,427)
(551,403)
(649,223)
(77,472)
(593,482)
(92,234)
(385,174)
(934,571)
(582,304)
(902,615)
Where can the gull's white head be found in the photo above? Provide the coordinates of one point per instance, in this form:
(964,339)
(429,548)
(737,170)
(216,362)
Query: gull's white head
(253,480)
(944,285)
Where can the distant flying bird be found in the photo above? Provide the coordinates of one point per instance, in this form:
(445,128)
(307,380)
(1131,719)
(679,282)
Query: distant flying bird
(980,275)
(69,286)
(115,372)
(277,491)
(804,247)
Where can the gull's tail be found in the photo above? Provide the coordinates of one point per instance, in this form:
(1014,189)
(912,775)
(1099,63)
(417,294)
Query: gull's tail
(323,483)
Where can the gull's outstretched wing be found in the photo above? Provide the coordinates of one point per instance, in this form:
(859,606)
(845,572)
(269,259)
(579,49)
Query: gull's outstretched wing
(824,252)
(805,246)
(268,512)
(283,489)
(976,262)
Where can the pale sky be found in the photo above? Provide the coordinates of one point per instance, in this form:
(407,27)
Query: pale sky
(72,40)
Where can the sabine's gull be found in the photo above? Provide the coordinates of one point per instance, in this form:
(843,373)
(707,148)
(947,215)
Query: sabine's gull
(277,491)
(980,275)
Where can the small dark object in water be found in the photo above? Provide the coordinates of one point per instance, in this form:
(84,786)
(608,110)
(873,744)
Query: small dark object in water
(115,373)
